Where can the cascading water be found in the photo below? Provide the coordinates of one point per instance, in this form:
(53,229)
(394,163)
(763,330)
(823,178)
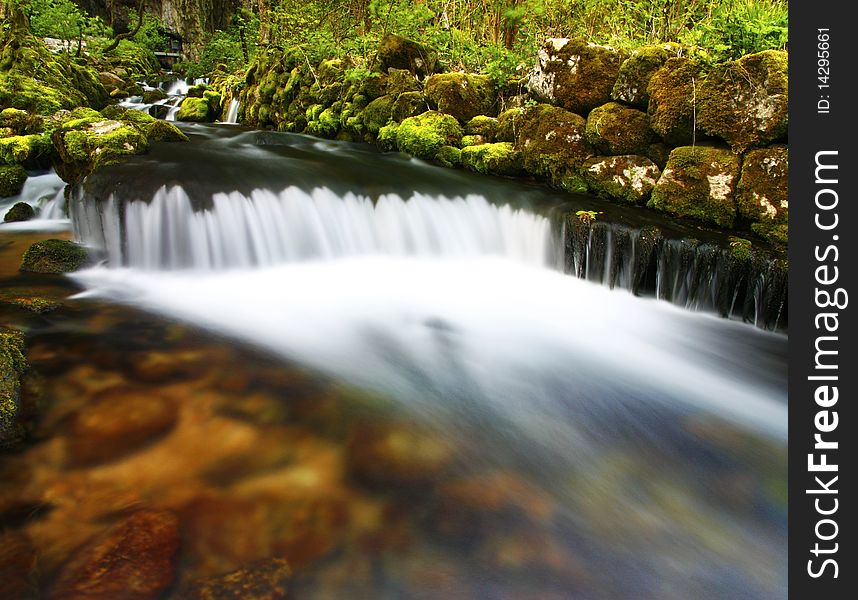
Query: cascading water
(45,193)
(232,112)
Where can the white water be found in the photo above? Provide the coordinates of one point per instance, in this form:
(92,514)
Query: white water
(45,194)
(232,112)
(268,229)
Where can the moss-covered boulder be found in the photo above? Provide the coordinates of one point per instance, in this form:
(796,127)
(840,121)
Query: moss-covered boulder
(551,141)
(85,144)
(12,178)
(621,178)
(614,129)
(509,125)
(195,109)
(20,122)
(401,53)
(327,124)
(462,95)
(378,113)
(637,70)
(408,104)
(699,182)
(658,152)
(745,102)
(500,158)
(162,131)
(483,126)
(54,256)
(422,136)
(762,194)
(21,211)
(672,91)
(32,151)
(575,74)
(153,96)
(401,81)
(473,140)
(449,156)
(13,366)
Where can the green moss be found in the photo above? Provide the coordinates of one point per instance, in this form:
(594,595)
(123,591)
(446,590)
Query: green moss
(422,136)
(551,141)
(25,149)
(21,211)
(54,256)
(672,90)
(138,116)
(449,156)
(387,137)
(637,70)
(509,125)
(194,109)
(628,179)
(197,91)
(401,81)
(740,248)
(21,122)
(745,102)
(313,111)
(401,53)
(327,125)
(762,194)
(614,129)
(378,113)
(472,140)
(408,104)
(153,96)
(484,126)
(12,179)
(462,95)
(13,366)
(162,131)
(699,183)
(500,158)
(215,100)
(83,145)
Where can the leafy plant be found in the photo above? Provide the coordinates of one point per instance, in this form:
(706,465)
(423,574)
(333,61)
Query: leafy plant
(587,216)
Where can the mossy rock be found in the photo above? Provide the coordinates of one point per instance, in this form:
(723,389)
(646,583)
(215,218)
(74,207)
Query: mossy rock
(551,141)
(500,158)
(327,125)
(83,145)
(484,126)
(401,53)
(575,74)
(13,367)
(331,71)
(473,140)
(745,102)
(153,96)
(12,178)
(28,150)
(699,183)
(462,95)
(509,125)
(54,256)
(422,136)
(629,178)
(197,91)
(401,81)
(658,152)
(762,194)
(162,131)
(614,129)
(387,137)
(138,117)
(215,100)
(449,156)
(21,211)
(195,109)
(408,104)
(378,113)
(637,70)
(21,122)
(672,90)
(371,87)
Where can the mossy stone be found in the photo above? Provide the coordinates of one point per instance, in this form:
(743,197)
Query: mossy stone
(387,137)
(27,150)
(408,104)
(153,96)
(500,158)
(54,256)
(13,366)
(745,102)
(21,122)
(551,141)
(509,125)
(83,145)
(401,81)
(194,109)
(462,95)
(575,74)
(449,156)
(422,136)
(762,194)
(400,53)
(672,91)
(629,179)
(700,183)
(12,178)
(20,211)
(637,70)
(326,125)
(614,129)
(484,126)
(162,131)
(378,113)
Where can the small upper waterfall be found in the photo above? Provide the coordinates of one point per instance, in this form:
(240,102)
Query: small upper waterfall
(268,228)
(232,112)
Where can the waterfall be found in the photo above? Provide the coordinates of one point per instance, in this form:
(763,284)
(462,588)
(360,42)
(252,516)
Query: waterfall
(268,228)
(232,112)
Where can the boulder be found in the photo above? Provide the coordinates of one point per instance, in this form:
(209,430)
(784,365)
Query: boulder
(111,81)
(153,96)
(378,113)
(699,182)
(21,211)
(509,124)
(29,150)
(462,95)
(575,74)
(672,91)
(400,81)
(194,109)
(88,143)
(400,53)
(745,102)
(408,104)
(422,136)
(21,122)
(627,178)
(500,158)
(162,131)
(54,256)
(551,141)
(483,126)
(449,156)
(762,194)
(12,178)
(637,70)
(13,366)
(614,129)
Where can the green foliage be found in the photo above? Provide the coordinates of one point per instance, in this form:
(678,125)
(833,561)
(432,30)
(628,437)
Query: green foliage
(232,48)
(150,35)
(587,216)
(739,27)
(63,19)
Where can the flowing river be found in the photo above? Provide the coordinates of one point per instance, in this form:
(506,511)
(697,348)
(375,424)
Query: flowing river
(408,381)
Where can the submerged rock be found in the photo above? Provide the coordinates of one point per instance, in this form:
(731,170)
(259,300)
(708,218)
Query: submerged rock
(400,53)
(262,580)
(422,136)
(21,211)
(13,365)
(614,129)
(462,95)
(745,102)
(699,182)
(12,178)
(500,158)
(637,70)
(762,194)
(627,178)
(672,92)
(134,560)
(575,74)
(54,256)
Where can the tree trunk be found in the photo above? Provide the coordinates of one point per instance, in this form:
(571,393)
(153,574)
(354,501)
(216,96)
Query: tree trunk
(128,34)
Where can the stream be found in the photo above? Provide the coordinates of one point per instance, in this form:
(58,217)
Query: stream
(408,381)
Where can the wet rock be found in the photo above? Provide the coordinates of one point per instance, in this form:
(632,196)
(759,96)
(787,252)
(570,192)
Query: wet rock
(672,91)
(700,183)
(745,102)
(13,366)
(12,180)
(500,158)
(153,96)
(118,421)
(575,74)
(627,178)
(20,211)
(422,136)
(162,131)
(84,144)
(551,141)
(161,367)
(462,95)
(637,70)
(400,53)
(17,566)
(614,129)
(54,256)
(262,580)
(134,560)
(762,194)
(396,456)
(194,109)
